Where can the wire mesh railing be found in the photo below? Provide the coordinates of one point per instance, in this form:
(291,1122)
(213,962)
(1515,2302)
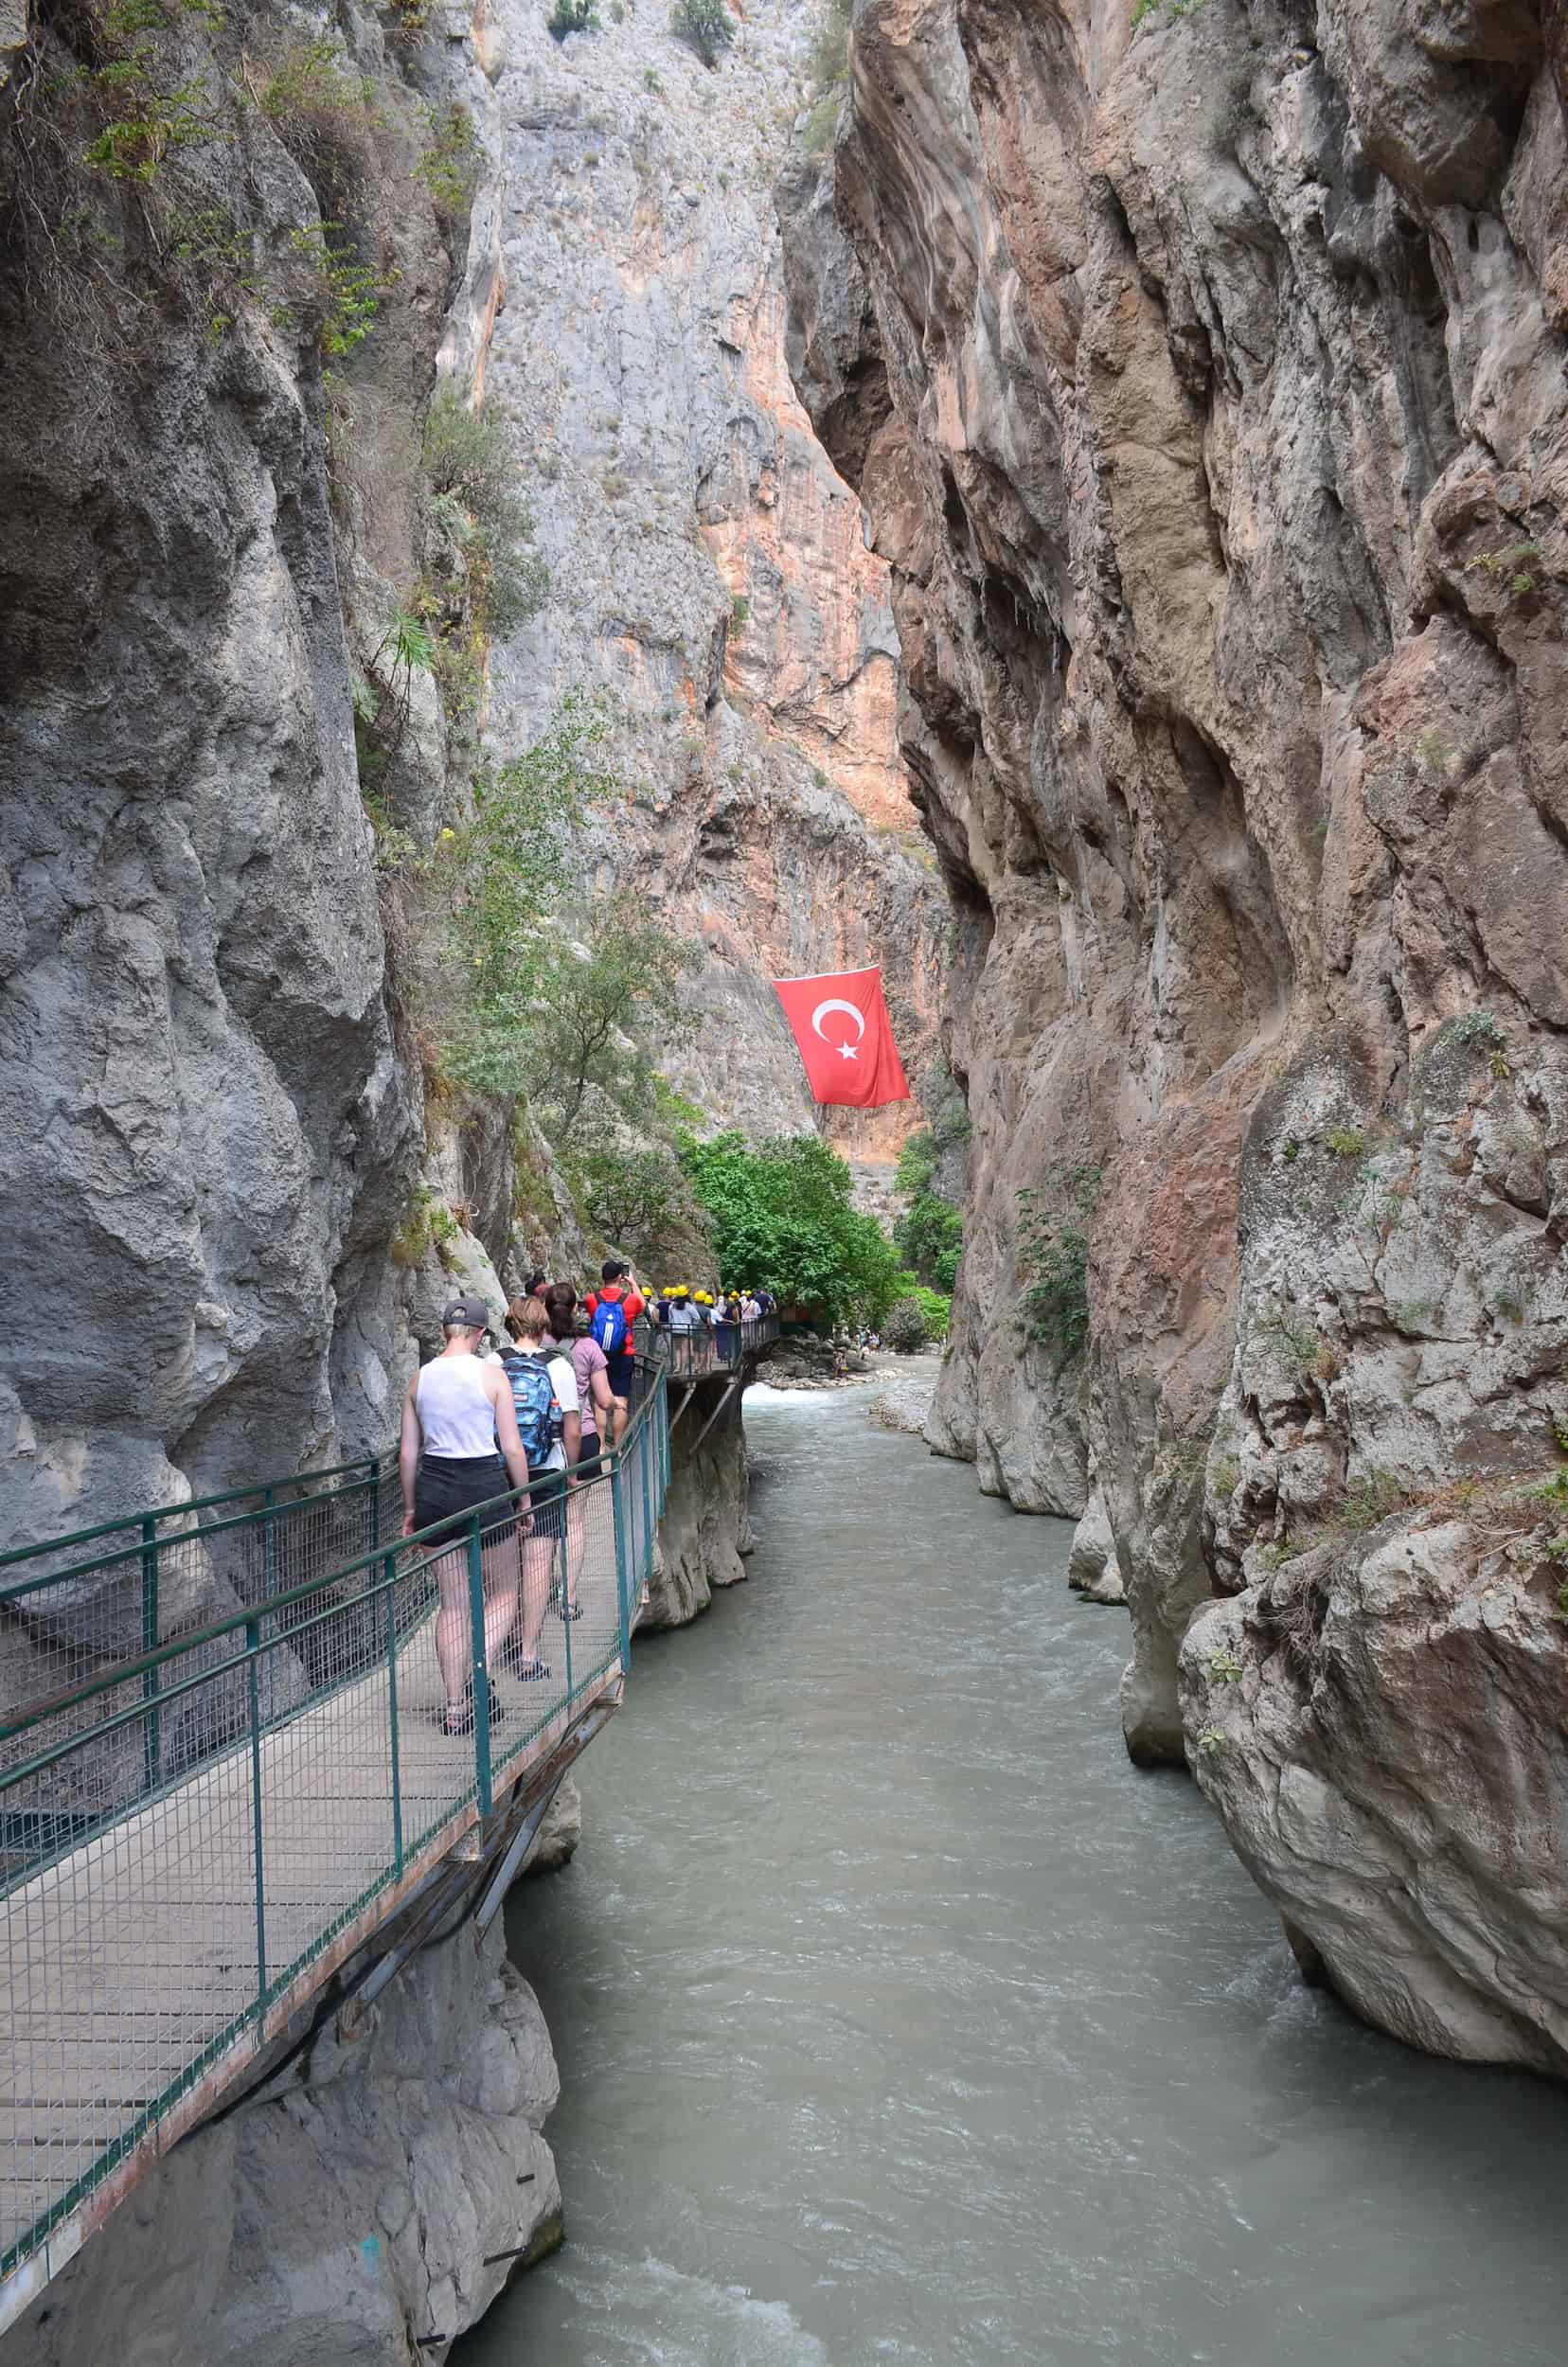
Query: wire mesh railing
(193,1826)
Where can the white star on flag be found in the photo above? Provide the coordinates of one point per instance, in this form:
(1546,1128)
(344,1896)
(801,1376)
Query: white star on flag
(848,1052)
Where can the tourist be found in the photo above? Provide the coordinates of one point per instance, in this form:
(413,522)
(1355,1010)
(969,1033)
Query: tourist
(535,1286)
(595,1406)
(455,1411)
(751,1309)
(613,1309)
(544,1399)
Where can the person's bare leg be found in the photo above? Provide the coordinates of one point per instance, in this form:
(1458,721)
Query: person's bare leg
(537,1562)
(577,1545)
(501,1577)
(453,1647)
(619,1415)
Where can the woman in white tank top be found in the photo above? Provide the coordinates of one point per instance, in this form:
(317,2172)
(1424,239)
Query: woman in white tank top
(456,1412)
(459,1448)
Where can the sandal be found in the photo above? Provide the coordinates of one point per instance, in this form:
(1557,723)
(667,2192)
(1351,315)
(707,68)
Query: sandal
(573,1611)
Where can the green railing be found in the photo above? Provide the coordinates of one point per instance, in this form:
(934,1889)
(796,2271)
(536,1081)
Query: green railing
(192,1829)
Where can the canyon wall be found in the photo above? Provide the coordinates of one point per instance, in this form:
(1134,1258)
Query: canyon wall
(1202,378)
(708,571)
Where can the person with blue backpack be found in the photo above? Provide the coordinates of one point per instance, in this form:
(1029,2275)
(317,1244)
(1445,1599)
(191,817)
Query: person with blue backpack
(545,1400)
(612,1311)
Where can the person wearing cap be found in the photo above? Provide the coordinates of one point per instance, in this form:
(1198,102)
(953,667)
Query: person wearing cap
(459,1448)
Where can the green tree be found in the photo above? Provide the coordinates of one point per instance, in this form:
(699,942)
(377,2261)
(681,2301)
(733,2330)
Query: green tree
(507,869)
(632,1195)
(705,25)
(929,1235)
(598,1003)
(783,1216)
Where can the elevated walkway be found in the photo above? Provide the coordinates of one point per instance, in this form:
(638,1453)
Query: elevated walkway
(231,1780)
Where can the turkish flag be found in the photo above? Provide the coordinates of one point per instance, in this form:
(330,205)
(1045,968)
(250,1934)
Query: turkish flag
(845,1038)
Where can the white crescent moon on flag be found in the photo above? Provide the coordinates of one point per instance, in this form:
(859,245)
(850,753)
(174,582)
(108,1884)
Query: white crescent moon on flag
(852,1010)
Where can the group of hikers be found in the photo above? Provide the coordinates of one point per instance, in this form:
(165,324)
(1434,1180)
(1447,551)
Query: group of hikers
(534,1417)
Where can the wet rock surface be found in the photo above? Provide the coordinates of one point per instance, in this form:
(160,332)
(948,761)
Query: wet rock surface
(1214,440)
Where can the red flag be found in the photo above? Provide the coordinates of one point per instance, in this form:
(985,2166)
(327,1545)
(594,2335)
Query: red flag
(845,1038)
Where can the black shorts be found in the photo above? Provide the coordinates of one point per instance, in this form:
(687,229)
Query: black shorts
(620,1368)
(449,1486)
(547,1503)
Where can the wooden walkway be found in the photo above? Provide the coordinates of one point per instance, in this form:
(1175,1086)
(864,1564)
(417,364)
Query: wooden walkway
(131,1971)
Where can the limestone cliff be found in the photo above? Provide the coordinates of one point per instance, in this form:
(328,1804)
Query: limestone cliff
(708,567)
(1203,378)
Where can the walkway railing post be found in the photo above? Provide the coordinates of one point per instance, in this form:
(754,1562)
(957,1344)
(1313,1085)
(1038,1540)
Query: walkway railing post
(372,1522)
(252,1655)
(480,1672)
(617,1485)
(568,1512)
(152,1738)
(389,1570)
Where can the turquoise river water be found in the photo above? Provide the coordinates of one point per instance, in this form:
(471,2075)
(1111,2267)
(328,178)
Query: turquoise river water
(901,2024)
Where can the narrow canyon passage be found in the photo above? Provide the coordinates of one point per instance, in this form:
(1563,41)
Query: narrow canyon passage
(900,2019)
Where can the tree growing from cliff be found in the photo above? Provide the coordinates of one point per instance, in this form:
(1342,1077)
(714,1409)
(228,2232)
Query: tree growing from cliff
(601,999)
(705,25)
(783,1216)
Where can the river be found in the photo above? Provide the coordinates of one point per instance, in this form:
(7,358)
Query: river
(901,2024)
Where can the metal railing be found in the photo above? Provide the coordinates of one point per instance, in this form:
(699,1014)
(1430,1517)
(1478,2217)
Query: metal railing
(717,1347)
(96,1599)
(194,1828)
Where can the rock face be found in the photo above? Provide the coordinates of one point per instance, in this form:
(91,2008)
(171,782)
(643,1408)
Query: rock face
(348,2215)
(705,1532)
(708,569)
(1203,383)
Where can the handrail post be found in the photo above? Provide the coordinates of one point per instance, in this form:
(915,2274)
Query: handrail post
(622,1589)
(389,1570)
(151,1682)
(372,1536)
(568,1504)
(252,1655)
(481,1673)
(269,1545)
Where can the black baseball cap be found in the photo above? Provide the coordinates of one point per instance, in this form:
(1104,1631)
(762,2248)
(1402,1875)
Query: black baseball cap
(469,1314)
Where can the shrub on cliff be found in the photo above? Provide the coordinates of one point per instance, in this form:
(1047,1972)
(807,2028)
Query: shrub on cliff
(705,25)
(322,110)
(1053,1256)
(573,16)
(481,575)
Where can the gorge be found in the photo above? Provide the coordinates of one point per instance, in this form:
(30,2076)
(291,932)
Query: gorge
(1064,502)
